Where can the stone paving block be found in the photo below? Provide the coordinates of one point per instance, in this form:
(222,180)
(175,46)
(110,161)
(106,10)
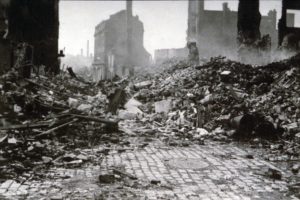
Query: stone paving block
(2,190)
(224,178)
(6,184)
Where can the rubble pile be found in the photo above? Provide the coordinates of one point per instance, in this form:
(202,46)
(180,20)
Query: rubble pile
(167,64)
(44,119)
(223,95)
(48,121)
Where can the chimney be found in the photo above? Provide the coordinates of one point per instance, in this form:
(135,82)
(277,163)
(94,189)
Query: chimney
(129,34)
(200,6)
(129,8)
(225,6)
(200,17)
(88,48)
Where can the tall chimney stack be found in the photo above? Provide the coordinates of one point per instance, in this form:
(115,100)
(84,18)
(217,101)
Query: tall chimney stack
(129,34)
(88,48)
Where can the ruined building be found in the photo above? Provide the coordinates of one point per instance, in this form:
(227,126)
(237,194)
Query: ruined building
(110,56)
(289,35)
(4,43)
(216,31)
(34,22)
(249,19)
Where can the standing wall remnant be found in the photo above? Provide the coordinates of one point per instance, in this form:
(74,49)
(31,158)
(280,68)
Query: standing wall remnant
(5,47)
(248,21)
(249,35)
(215,31)
(36,23)
(289,36)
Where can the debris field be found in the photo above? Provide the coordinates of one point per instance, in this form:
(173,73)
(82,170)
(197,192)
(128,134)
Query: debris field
(58,128)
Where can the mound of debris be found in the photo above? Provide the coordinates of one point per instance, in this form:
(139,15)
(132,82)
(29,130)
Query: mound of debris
(43,119)
(224,98)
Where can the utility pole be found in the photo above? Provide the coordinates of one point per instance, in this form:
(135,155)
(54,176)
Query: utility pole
(129,36)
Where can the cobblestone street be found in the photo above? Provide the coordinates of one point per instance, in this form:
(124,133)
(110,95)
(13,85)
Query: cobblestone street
(149,100)
(211,171)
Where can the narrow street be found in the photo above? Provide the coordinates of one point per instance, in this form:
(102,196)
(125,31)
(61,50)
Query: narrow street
(151,150)
(149,100)
(151,169)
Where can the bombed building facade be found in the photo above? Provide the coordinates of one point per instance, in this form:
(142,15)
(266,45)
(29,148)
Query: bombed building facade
(111,47)
(35,23)
(216,31)
(289,35)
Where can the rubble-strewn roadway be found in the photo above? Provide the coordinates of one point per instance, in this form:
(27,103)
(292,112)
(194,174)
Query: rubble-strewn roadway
(157,171)
(179,136)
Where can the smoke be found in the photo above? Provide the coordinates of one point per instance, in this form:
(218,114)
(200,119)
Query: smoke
(212,47)
(281,55)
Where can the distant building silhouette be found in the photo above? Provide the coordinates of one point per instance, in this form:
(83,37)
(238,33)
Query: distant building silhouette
(110,55)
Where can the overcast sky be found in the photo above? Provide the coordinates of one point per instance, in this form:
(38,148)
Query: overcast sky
(165,22)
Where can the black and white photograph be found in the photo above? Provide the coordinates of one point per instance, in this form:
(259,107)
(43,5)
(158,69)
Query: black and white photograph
(149,99)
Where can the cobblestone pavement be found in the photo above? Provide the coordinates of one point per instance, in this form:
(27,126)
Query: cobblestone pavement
(211,171)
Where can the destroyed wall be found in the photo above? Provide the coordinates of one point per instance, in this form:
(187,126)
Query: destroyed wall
(35,22)
(4,43)
(269,23)
(192,19)
(161,55)
(110,45)
(249,19)
(289,36)
(216,30)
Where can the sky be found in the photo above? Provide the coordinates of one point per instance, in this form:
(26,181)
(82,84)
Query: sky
(165,22)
